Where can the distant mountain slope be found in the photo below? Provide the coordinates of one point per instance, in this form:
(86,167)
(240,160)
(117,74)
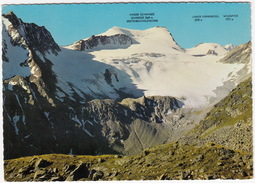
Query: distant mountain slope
(240,54)
(229,47)
(229,123)
(207,49)
(87,77)
(158,70)
(119,38)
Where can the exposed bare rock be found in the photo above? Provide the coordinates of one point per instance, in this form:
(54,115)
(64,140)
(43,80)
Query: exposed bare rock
(98,42)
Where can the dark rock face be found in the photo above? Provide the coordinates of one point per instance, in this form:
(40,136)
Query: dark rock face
(4,51)
(211,52)
(98,126)
(41,163)
(107,76)
(81,171)
(144,121)
(35,37)
(115,41)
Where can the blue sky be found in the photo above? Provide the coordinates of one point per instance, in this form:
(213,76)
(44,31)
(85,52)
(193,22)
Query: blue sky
(71,22)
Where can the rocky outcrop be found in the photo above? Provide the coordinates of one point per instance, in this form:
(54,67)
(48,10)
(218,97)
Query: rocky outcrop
(240,54)
(37,41)
(4,51)
(30,35)
(20,81)
(211,52)
(133,124)
(102,41)
(229,47)
(36,77)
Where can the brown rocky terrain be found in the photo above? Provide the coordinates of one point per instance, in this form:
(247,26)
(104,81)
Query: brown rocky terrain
(165,162)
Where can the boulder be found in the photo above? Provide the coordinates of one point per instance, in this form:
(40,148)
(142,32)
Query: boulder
(39,173)
(81,171)
(25,170)
(41,163)
(97,175)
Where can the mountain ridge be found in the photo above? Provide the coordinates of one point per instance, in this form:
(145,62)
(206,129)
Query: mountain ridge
(24,33)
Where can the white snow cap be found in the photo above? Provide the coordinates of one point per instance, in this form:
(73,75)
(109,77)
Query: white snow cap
(229,47)
(207,48)
(156,38)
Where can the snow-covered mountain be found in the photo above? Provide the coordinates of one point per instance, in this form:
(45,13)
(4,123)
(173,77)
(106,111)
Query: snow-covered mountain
(208,49)
(118,38)
(102,42)
(229,47)
(157,65)
(53,95)
(29,35)
(239,54)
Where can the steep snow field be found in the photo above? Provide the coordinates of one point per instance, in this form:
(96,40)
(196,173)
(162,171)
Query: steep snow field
(80,70)
(13,67)
(159,66)
(148,39)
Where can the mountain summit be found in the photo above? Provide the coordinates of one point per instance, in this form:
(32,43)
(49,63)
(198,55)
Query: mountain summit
(29,34)
(117,38)
(208,49)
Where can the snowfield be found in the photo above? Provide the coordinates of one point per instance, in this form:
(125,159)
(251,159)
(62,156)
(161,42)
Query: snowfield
(13,67)
(154,64)
(207,49)
(86,74)
(159,66)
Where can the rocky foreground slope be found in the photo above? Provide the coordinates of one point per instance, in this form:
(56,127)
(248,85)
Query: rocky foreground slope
(166,162)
